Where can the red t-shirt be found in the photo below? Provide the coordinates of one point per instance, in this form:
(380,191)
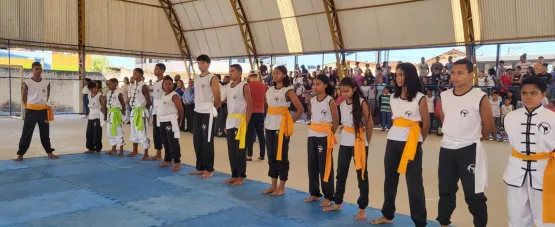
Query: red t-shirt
(505,81)
(258,91)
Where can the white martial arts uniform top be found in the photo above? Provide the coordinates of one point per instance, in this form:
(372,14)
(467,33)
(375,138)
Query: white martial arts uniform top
(462,127)
(37,92)
(236,104)
(204,99)
(137,98)
(276,98)
(112,99)
(157,94)
(347,138)
(321,113)
(95,106)
(402,108)
(167,112)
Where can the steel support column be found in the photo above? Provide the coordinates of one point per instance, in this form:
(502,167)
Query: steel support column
(243,22)
(81,42)
(179,33)
(336,36)
(468,27)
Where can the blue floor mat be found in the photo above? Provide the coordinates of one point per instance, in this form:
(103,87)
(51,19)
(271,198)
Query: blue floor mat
(102,190)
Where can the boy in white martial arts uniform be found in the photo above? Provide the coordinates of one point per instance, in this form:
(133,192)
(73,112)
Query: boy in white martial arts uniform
(140,103)
(157,92)
(115,118)
(97,105)
(170,114)
(530,173)
(467,119)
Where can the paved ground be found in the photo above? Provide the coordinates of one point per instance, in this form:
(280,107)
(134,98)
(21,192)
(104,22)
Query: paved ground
(67,135)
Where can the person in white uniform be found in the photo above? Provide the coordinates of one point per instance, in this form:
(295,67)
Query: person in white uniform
(239,111)
(530,172)
(34,95)
(207,99)
(157,92)
(140,103)
(467,119)
(170,115)
(97,105)
(115,117)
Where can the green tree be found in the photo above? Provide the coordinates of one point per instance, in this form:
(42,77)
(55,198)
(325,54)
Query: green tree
(100,64)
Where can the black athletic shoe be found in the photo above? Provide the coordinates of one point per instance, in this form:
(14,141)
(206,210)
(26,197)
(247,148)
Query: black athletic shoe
(249,159)
(261,158)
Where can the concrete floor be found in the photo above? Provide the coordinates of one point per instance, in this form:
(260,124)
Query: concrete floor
(67,136)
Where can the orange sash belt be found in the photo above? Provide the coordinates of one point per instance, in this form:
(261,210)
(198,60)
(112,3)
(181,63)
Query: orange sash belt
(285,128)
(412,142)
(49,113)
(360,151)
(326,128)
(548,181)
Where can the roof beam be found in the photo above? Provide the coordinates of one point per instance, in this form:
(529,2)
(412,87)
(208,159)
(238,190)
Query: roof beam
(179,33)
(245,32)
(469,38)
(336,36)
(139,3)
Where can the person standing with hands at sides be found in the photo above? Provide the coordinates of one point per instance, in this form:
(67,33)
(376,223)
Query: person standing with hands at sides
(157,92)
(239,106)
(321,139)
(97,105)
(35,95)
(530,172)
(279,128)
(140,104)
(116,115)
(256,122)
(403,152)
(467,120)
(357,123)
(207,99)
(170,113)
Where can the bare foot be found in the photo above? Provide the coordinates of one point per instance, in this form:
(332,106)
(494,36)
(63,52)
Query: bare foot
(52,156)
(334,207)
(165,164)
(19,158)
(444,226)
(311,199)
(132,154)
(120,154)
(238,182)
(156,158)
(325,203)
(198,172)
(145,158)
(176,167)
(270,190)
(88,152)
(96,153)
(278,192)
(361,216)
(207,174)
(230,180)
(381,220)
(110,152)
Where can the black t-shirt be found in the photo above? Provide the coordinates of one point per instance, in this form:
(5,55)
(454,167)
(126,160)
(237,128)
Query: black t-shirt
(516,78)
(435,79)
(546,77)
(369,79)
(391,77)
(263,69)
(444,79)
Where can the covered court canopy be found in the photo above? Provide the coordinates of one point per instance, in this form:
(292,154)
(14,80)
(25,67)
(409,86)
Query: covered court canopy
(234,28)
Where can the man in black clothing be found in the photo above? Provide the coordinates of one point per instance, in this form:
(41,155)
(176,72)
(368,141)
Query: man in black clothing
(544,75)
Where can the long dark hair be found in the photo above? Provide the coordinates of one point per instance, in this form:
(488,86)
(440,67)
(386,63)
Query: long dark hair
(329,89)
(286,81)
(411,81)
(358,119)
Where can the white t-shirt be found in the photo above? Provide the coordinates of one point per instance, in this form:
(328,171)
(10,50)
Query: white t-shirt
(401,108)
(430,101)
(545,101)
(506,109)
(482,81)
(495,107)
(37,92)
(85,90)
(276,98)
(462,122)
(321,113)
(236,104)
(347,138)
(95,106)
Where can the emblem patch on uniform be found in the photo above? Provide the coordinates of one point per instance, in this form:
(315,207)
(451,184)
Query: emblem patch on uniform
(234,96)
(94,123)
(235,132)
(464,113)
(164,103)
(168,128)
(544,128)
(320,149)
(471,168)
(202,85)
(276,98)
(408,113)
(203,126)
(324,112)
(43,90)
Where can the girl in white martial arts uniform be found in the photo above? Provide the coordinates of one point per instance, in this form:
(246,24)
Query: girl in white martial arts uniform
(96,119)
(170,114)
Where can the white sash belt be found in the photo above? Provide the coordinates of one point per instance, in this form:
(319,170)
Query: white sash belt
(207,108)
(481,167)
(155,105)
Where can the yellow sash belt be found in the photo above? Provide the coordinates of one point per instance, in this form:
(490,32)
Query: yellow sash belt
(548,181)
(49,113)
(285,128)
(242,130)
(412,142)
(326,128)
(360,151)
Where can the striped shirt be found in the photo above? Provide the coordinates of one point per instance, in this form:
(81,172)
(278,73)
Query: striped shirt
(384,103)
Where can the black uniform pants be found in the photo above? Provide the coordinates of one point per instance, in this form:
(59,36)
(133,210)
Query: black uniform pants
(277,169)
(455,164)
(204,150)
(256,126)
(171,144)
(237,157)
(346,154)
(94,135)
(316,168)
(156,133)
(189,113)
(415,185)
(32,118)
